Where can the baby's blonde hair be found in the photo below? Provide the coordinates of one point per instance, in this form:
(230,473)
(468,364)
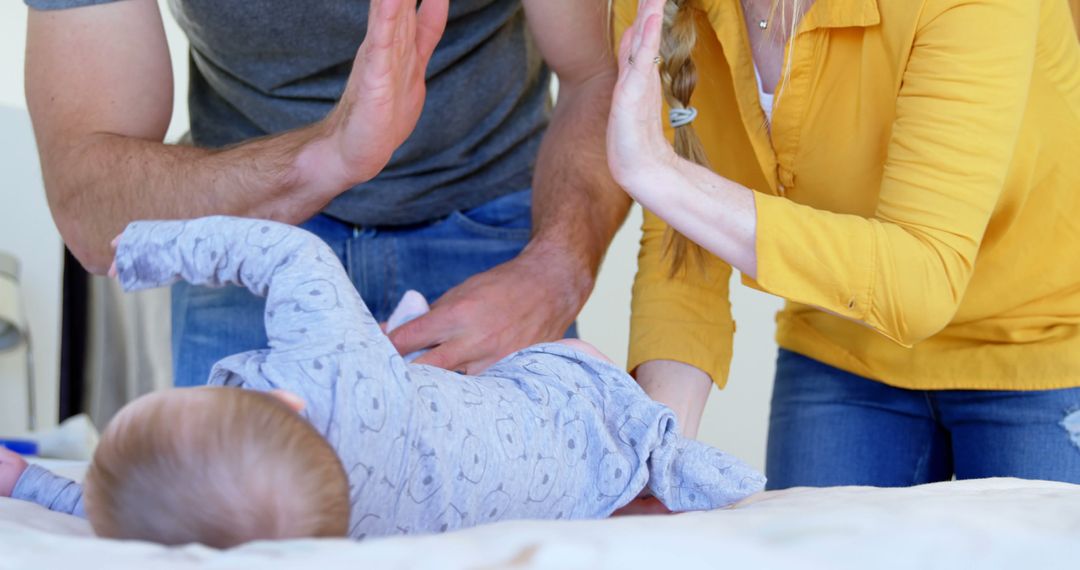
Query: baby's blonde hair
(216,466)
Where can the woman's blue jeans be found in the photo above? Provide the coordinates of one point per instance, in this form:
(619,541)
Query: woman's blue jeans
(210,324)
(829,427)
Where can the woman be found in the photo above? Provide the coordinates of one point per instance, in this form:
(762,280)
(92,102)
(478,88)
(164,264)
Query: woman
(915,196)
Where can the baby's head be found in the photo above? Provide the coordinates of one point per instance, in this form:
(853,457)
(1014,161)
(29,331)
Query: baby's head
(216,466)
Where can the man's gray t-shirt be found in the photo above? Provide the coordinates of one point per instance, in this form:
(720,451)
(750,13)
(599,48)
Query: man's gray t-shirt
(262,67)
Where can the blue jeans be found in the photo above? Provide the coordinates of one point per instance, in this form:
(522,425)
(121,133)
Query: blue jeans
(210,324)
(829,427)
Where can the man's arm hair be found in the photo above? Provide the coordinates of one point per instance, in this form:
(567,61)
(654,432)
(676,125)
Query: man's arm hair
(577,205)
(99,88)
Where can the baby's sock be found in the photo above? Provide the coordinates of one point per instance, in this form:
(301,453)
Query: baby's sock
(687,475)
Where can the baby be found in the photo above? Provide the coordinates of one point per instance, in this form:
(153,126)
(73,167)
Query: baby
(333,433)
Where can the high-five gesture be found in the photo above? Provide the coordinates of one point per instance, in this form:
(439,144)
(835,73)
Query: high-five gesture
(385,93)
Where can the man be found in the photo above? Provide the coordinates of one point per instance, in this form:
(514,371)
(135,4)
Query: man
(293,120)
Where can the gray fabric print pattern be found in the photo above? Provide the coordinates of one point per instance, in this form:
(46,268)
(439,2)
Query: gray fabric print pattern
(547,432)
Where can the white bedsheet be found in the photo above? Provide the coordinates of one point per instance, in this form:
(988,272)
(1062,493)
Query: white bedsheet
(995,523)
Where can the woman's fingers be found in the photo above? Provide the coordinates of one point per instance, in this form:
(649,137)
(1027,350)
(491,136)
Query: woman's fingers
(636,29)
(652,22)
(650,44)
(655,7)
(643,59)
(641,49)
(646,9)
(625,51)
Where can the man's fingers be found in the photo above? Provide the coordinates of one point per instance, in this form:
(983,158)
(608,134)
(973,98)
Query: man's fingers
(423,332)
(376,54)
(446,356)
(478,367)
(402,33)
(431,23)
(382,23)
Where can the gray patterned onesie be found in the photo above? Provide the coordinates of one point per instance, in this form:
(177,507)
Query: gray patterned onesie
(547,433)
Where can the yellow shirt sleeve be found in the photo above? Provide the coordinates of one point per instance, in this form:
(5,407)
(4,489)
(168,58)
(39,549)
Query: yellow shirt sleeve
(904,271)
(685,317)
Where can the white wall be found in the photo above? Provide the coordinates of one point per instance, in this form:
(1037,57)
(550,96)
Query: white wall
(27,231)
(735,419)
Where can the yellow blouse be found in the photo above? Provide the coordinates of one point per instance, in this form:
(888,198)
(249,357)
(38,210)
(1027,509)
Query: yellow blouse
(918,195)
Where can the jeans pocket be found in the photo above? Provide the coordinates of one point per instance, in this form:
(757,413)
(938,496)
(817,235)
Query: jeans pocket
(508,217)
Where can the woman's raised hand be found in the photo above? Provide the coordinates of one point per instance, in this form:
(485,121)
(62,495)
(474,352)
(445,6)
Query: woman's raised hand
(635,140)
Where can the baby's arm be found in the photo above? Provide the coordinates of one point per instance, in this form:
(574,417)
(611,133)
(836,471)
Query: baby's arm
(12,466)
(311,303)
(35,484)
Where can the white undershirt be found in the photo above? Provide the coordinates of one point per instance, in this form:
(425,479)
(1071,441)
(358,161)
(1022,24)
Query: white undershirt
(765,98)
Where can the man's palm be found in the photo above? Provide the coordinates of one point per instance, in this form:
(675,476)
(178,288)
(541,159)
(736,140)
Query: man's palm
(386,90)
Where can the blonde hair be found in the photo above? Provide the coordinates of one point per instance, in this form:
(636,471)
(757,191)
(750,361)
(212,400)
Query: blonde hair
(216,466)
(679,75)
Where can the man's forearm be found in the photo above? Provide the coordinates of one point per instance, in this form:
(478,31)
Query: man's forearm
(99,184)
(577,206)
(98,88)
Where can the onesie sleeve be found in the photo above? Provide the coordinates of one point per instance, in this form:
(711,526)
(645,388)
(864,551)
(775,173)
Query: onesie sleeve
(38,485)
(311,307)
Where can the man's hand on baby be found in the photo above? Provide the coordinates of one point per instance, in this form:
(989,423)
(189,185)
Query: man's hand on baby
(490,315)
(12,466)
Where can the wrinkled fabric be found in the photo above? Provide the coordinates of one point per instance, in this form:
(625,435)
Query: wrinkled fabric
(915,197)
(548,432)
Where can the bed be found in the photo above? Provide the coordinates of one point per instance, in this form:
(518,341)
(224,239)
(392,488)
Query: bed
(993,523)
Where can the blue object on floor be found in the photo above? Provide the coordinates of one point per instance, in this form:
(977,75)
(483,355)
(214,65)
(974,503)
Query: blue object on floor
(20,446)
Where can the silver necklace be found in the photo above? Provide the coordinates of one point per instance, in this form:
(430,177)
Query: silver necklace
(763,23)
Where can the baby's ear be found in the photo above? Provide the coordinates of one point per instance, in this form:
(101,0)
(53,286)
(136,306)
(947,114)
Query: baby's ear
(292,400)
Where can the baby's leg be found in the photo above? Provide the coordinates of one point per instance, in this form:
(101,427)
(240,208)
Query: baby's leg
(687,475)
